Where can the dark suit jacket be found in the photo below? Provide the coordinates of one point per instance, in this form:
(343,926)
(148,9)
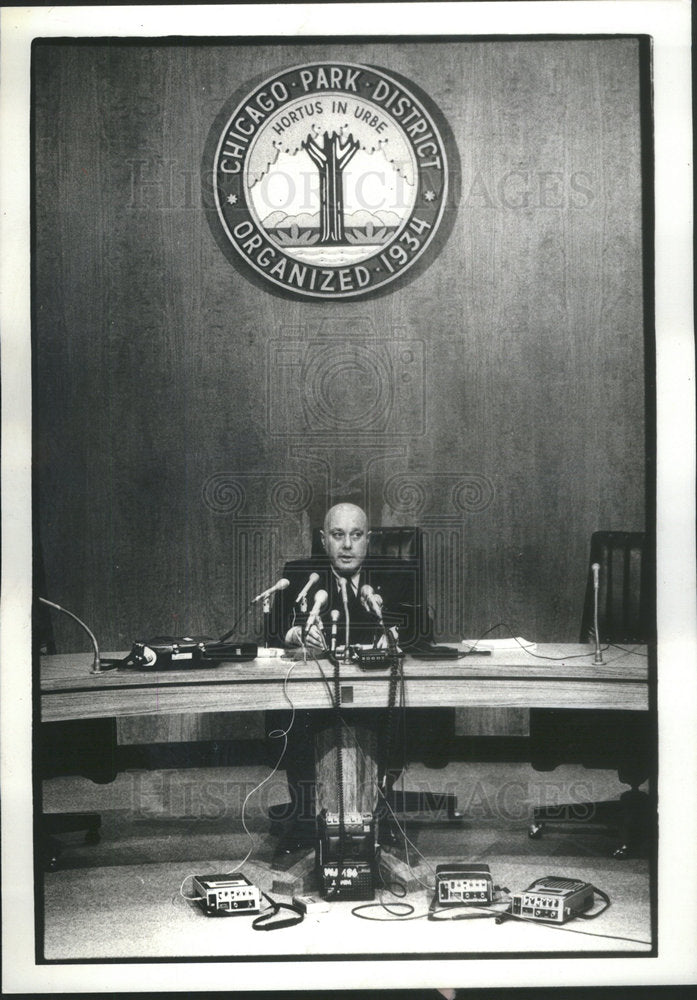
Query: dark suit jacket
(396,580)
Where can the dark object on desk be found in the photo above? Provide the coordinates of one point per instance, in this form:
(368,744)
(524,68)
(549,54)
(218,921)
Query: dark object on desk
(378,659)
(166,652)
(619,740)
(447,653)
(374,659)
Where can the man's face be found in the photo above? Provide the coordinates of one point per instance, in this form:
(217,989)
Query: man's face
(345,538)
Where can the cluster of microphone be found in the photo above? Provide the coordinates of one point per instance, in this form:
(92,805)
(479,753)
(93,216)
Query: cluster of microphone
(370,600)
(373,602)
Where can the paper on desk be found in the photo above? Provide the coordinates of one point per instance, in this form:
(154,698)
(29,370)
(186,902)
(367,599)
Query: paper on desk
(501,645)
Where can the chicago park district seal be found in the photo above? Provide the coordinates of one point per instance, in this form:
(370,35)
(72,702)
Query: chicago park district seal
(330,179)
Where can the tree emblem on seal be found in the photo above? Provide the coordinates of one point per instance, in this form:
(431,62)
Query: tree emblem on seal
(331,158)
(331,180)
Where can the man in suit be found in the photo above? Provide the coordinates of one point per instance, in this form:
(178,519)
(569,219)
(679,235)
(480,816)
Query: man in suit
(342,572)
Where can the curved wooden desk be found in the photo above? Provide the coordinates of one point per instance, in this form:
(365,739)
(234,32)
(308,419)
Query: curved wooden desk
(557,676)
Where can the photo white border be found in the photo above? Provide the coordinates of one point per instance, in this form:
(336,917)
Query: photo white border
(668,22)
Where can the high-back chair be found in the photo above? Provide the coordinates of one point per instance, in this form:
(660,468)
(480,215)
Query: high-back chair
(621,740)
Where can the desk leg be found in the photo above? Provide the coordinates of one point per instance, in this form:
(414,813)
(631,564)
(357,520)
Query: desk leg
(360,769)
(360,775)
(359,760)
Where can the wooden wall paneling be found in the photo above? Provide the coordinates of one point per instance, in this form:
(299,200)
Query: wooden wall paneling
(157,360)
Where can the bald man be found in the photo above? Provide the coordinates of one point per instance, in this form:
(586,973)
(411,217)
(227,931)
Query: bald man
(344,564)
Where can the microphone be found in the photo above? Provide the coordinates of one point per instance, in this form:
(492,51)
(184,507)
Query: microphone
(98,664)
(301,599)
(278,585)
(344,599)
(321,598)
(371,601)
(596,585)
(334,615)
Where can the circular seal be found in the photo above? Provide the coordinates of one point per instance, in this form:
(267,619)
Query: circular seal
(330,179)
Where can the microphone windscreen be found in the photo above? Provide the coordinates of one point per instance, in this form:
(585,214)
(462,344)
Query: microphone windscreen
(321,598)
(311,581)
(278,585)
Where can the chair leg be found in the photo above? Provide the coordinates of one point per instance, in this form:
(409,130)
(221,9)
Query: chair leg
(628,817)
(57,823)
(635,824)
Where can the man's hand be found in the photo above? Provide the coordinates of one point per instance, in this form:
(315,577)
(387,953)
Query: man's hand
(382,641)
(371,601)
(313,638)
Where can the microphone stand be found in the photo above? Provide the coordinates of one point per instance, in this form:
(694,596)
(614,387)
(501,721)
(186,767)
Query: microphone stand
(267,617)
(335,619)
(598,659)
(344,597)
(98,664)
